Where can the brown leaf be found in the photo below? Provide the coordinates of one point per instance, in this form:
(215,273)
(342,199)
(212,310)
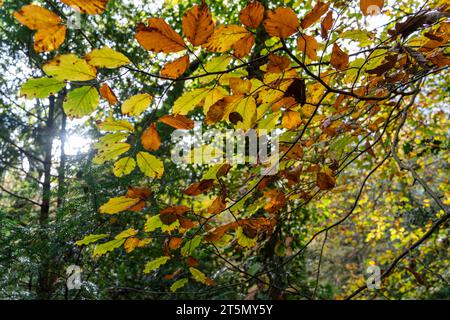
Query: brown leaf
(177,121)
(150,139)
(158,36)
(319,10)
(199,187)
(326,24)
(218,205)
(198,25)
(339,59)
(325,181)
(192,262)
(175,243)
(297,90)
(309,45)
(175,68)
(252,15)
(278,64)
(107,94)
(243,46)
(282,22)
(371,7)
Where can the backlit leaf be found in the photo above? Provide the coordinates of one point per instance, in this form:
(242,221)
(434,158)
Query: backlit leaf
(314,15)
(158,36)
(224,37)
(281,23)
(41,88)
(124,166)
(176,68)
(189,100)
(70,67)
(155,264)
(91,238)
(137,104)
(150,165)
(88,6)
(103,248)
(118,204)
(198,25)
(339,59)
(107,94)
(150,138)
(81,102)
(177,121)
(252,15)
(106,58)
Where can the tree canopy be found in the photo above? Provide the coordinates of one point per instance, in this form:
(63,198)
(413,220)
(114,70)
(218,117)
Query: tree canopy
(224,149)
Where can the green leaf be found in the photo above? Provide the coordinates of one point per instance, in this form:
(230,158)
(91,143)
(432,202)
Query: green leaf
(116,125)
(365,38)
(199,276)
(103,248)
(150,165)
(124,166)
(126,234)
(106,58)
(70,67)
(155,264)
(153,223)
(215,64)
(41,88)
(179,284)
(189,100)
(81,102)
(91,238)
(137,104)
(191,245)
(110,152)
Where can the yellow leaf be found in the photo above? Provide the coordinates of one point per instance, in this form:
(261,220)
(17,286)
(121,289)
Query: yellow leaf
(153,223)
(155,264)
(158,36)
(200,276)
(70,67)
(124,166)
(137,104)
(116,125)
(189,100)
(178,284)
(150,165)
(36,17)
(106,58)
(103,248)
(224,37)
(90,239)
(213,96)
(110,152)
(243,240)
(88,6)
(118,204)
(50,39)
(126,234)
(247,109)
(281,23)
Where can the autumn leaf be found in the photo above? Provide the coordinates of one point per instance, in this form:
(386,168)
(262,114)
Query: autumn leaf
(131,244)
(175,243)
(339,59)
(110,152)
(118,204)
(103,248)
(50,39)
(35,17)
(137,104)
(198,188)
(150,165)
(107,94)
(91,239)
(218,205)
(124,167)
(277,64)
(70,67)
(115,125)
(314,15)
(243,47)
(106,58)
(200,276)
(224,37)
(252,15)
(325,180)
(198,25)
(180,283)
(371,7)
(281,23)
(191,245)
(177,121)
(88,6)
(158,36)
(175,68)
(189,100)
(150,138)
(291,120)
(309,45)
(326,24)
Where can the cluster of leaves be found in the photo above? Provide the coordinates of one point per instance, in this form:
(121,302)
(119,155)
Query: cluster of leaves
(331,106)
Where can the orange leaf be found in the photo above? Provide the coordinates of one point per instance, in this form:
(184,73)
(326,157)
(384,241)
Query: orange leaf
(175,243)
(177,121)
(88,6)
(186,223)
(199,187)
(277,64)
(131,244)
(175,68)
(252,15)
(224,37)
(339,59)
(240,86)
(150,138)
(326,24)
(36,17)
(192,262)
(50,39)
(309,45)
(281,23)
(319,10)
(275,200)
(158,36)
(108,94)
(244,46)
(141,193)
(198,25)
(371,7)
(291,120)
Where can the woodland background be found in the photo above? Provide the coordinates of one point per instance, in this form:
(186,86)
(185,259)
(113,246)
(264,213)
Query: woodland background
(50,191)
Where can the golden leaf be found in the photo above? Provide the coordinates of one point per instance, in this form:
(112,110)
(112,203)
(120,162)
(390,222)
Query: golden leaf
(88,6)
(158,36)
(198,25)
(309,45)
(150,138)
(175,68)
(281,23)
(339,59)
(224,37)
(252,15)
(319,10)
